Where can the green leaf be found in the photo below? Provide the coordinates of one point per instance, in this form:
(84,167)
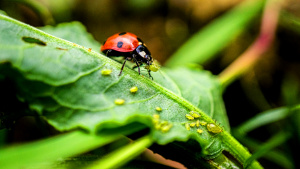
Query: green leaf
(30,154)
(275,141)
(52,150)
(215,36)
(65,83)
(263,118)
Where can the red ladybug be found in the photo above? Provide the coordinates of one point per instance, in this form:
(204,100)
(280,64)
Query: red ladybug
(130,46)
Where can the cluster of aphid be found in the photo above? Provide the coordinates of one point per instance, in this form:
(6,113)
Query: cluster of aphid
(162,125)
(165,126)
(195,122)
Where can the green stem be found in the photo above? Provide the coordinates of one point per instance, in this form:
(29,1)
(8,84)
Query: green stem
(238,151)
(123,155)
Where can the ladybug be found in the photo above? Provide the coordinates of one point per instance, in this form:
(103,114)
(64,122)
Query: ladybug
(130,47)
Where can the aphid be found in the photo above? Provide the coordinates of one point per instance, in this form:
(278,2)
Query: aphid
(129,46)
(203,123)
(193,124)
(106,72)
(163,123)
(156,116)
(199,131)
(159,109)
(119,101)
(190,117)
(166,128)
(134,89)
(153,67)
(157,125)
(197,123)
(211,127)
(90,49)
(195,114)
(187,126)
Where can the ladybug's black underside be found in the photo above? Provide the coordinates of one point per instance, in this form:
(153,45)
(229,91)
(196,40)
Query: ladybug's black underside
(130,56)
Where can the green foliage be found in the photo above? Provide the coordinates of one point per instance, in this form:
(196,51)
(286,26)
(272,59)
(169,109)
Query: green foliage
(206,43)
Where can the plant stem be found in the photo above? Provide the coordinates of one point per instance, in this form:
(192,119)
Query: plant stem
(238,151)
(123,155)
(248,59)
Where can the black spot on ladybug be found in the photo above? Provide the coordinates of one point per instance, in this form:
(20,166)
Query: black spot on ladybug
(122,33)
(104,42)
(140,40)
(120,44)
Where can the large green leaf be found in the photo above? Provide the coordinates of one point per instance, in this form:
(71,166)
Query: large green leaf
(63,82)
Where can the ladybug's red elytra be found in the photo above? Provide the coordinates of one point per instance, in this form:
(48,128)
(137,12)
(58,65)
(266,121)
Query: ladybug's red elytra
(131,47)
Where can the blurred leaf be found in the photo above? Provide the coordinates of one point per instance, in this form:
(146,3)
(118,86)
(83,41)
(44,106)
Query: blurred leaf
(40,9)
(275,141)
(290,21)
(63,82)
(276,156)
(74,32)
(122,155)
(261,119)
(211,39)
(51,150)
(291,90)
(56,147)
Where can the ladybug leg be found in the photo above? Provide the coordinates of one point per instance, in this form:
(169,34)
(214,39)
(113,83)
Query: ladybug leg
(137,65)
(150,74)
(108,52)
(123,65)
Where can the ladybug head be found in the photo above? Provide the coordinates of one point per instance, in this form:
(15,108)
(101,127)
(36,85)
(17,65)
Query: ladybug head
(144,54)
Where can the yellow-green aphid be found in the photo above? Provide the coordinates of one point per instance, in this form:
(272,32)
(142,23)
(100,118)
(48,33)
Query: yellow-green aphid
(157,126)
(199,131)
(159,109)
(119,101)
(195,114)
(164,123)
(134,89)
(211,127)
(156,116)
(188,116)
(197,123)
(193,124)
(166,128)
(154,66)
(187,126)
(203,123)
(156,121)
(106,72)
